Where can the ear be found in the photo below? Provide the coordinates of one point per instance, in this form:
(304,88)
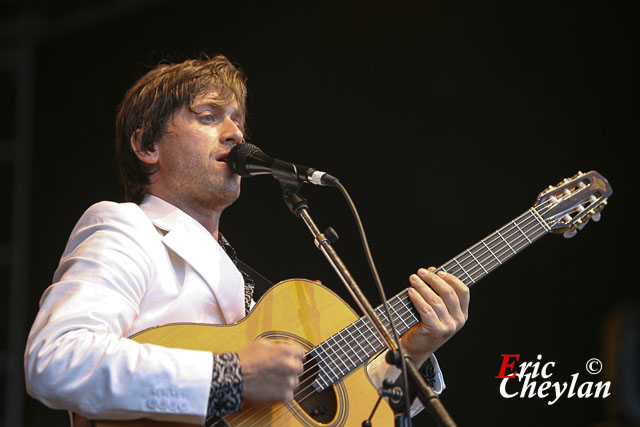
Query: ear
(145,156)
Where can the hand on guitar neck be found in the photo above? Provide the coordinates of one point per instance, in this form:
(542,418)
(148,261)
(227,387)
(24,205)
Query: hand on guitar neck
(442,301)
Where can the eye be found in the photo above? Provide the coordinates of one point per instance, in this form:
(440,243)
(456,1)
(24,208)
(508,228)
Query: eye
(207,118)
(237,120)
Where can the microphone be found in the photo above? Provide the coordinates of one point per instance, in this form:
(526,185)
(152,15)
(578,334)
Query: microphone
(248,160)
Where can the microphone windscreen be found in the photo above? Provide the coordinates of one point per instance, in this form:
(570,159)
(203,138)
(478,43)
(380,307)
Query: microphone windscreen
(237,158)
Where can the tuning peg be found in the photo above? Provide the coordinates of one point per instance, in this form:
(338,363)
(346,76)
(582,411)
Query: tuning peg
(569,234)
(596,217)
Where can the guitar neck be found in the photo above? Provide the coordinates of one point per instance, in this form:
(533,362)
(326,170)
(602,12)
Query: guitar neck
(358,342)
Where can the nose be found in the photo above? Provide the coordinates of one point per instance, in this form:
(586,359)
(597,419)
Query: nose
(231,133)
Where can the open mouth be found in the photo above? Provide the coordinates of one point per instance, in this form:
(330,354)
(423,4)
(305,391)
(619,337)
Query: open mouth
(222,157)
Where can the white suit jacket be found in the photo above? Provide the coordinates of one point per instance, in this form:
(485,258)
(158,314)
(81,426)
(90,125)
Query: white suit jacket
(127,268)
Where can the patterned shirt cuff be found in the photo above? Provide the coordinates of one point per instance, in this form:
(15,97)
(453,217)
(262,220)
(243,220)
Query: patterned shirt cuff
(428,372)
(225,396)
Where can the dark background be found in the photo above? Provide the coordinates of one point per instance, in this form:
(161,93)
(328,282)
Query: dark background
(444,120)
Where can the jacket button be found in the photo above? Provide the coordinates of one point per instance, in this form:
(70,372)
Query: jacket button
(152,403)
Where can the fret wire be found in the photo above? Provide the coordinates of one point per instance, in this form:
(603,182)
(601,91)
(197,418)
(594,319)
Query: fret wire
(541,226)
(503,234)
(499,246)
(502,237)
(357,340)
(409,308)
(504,228)
(335,357)
(325,361)
(398,316)
(345,351)
(537,216)
(331,353)
(530,227)
(455,270)
(398,303)
(478,262)
(514,223)
(324,384)
(352,341)
(413,316)
(467,263)
(382,315)
(367,340)
(375,335)
(337,348)
(490,251)
(526,227)
(532,222)
(406,314)
(350,336)
(465,272)
(484,257)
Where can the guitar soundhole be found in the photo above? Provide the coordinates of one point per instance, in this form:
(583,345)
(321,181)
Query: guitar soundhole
(321,406)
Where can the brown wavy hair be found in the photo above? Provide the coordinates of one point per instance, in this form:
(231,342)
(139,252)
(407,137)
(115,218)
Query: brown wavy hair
(150,103)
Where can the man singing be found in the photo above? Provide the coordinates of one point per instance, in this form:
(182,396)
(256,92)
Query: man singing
(160,258)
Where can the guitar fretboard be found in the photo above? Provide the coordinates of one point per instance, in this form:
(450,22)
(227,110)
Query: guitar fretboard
(343,352)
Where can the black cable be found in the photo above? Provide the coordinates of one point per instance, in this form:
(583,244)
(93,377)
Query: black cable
(376,279)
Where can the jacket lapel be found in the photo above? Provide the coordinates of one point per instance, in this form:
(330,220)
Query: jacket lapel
(193,243)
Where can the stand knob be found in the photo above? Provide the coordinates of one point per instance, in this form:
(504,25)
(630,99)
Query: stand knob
(332,234)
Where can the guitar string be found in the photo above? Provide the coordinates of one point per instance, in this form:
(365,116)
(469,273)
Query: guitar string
(394,304)
(500,234)
(403,317)
(478,266)
(483,259)
(397,303)
(488,254)
(400,303)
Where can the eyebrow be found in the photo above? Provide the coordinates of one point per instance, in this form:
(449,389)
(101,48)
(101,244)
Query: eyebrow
(210,104)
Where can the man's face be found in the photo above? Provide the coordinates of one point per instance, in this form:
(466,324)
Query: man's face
(191,172)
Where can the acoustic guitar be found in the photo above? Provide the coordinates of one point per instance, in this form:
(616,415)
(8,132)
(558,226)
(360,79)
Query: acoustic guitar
(334,389)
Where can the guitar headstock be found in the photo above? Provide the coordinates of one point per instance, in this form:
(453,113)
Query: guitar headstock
(569,205)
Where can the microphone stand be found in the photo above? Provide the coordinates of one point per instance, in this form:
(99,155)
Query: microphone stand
(299,207)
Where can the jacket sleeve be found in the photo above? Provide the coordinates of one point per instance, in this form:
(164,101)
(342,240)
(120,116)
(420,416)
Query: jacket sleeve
(77,355)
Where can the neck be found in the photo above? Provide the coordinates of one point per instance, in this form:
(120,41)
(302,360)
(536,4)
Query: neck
(208,217)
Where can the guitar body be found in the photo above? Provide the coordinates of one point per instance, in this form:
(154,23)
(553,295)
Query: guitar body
(294,310)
